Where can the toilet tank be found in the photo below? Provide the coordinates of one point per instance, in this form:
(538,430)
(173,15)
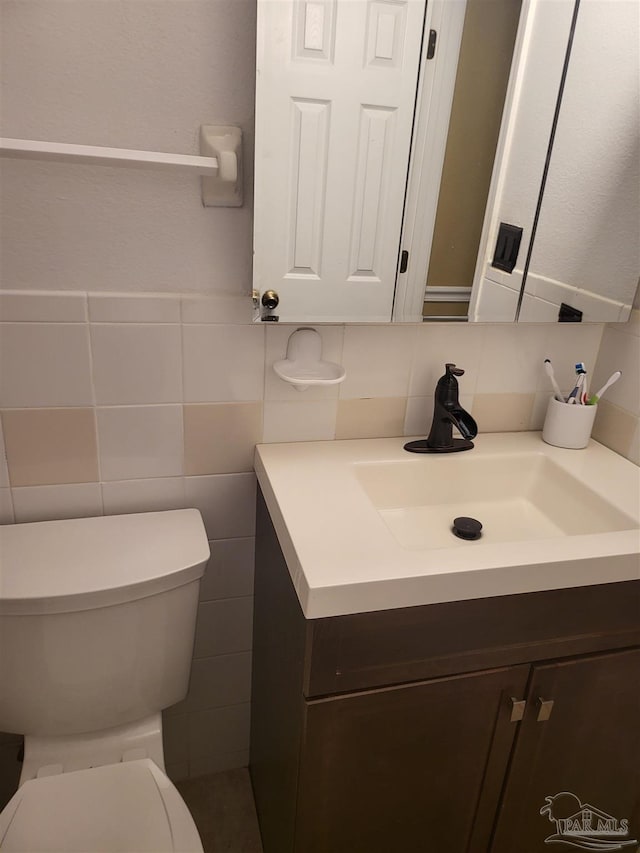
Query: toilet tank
(97,619)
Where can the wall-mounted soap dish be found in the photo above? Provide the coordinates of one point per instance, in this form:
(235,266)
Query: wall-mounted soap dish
(303,366)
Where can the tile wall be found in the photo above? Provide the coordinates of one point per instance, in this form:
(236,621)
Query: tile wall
(114,403)
(618,420)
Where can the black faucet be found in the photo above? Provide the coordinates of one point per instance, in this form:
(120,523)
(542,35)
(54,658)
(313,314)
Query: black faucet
(447,413)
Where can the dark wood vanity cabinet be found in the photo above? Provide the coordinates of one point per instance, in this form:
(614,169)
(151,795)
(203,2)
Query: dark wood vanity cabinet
(440,728)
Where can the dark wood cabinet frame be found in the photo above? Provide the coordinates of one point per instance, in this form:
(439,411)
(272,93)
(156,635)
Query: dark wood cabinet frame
(325,690)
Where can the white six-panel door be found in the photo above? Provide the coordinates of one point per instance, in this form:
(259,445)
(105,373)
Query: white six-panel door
(335,93)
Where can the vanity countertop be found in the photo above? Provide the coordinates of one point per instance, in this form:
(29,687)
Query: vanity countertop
(345,555)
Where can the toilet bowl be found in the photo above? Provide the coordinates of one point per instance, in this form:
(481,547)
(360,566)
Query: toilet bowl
(97,621)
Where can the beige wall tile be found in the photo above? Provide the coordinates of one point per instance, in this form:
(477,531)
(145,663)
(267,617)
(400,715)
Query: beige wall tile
(50,446)
(502,412)
(299,420)
(634,450)
(219,438)
(372,417)
(615,428)
(6,507)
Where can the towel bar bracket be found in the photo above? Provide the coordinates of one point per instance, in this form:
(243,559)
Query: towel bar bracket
(219,163)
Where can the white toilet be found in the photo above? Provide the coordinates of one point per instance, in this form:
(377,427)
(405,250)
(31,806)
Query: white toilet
(97,620)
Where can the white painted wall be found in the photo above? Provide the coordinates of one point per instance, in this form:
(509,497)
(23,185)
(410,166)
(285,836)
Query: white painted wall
(137,74)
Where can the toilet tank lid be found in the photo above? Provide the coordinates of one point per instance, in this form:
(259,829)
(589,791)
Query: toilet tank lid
(83,563)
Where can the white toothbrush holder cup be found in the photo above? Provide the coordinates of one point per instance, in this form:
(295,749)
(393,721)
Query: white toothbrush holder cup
(568,425)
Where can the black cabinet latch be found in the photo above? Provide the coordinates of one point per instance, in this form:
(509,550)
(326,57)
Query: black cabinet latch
(431,44)
(507,247)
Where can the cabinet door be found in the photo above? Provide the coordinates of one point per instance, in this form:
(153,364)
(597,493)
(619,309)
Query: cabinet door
(409,768)
(588,750)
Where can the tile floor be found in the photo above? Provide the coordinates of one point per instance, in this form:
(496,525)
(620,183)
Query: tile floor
(223,809)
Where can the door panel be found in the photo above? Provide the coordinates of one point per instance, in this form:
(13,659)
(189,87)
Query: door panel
(589,747)
(335,92)
(402,769)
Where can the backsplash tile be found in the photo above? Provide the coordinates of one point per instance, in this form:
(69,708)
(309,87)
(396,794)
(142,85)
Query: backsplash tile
(436,345)
(377,360)
(565,344)
(229,573)
(620,350)
(373,417)
(223,363)
(616,428)
(511,359)
(217,681)
(50,446)
(299,420)
(137,378)
(227,503)
(6,506)
(134,308)
(156,495)
(219,438)
(137,442)
(502,412)
(34,306)
(44,364)
(220,308)
(419,413)
(4,471)
(224,627)
(135,363)
(48,503)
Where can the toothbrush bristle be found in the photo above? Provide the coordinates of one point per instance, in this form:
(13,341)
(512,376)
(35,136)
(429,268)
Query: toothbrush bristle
(580,368)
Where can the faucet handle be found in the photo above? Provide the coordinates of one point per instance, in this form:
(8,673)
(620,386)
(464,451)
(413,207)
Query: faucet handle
(453,370)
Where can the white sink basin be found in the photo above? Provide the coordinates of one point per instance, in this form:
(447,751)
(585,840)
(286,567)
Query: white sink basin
(364,525)
(516,497)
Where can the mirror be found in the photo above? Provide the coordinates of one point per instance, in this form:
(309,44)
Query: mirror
(579,259)
(335,217)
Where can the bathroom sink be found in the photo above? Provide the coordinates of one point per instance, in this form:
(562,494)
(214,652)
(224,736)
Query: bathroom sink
(516,497)
(364,525)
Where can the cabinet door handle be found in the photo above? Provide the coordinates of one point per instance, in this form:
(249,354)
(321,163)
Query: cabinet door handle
(517,709)
(545,707)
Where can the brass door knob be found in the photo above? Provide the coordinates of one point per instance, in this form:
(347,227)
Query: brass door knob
(270,299)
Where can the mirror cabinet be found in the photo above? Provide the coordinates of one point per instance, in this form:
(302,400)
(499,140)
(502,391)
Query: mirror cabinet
(456,159)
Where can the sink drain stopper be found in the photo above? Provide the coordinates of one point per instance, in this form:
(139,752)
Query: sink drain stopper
(467,528)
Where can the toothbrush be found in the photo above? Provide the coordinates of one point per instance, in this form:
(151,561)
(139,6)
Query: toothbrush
(593,399)
(581,370)
(549,371)
(585,391)
(575,396)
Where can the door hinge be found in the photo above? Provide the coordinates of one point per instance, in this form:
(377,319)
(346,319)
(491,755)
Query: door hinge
(431,44)
(404,260)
